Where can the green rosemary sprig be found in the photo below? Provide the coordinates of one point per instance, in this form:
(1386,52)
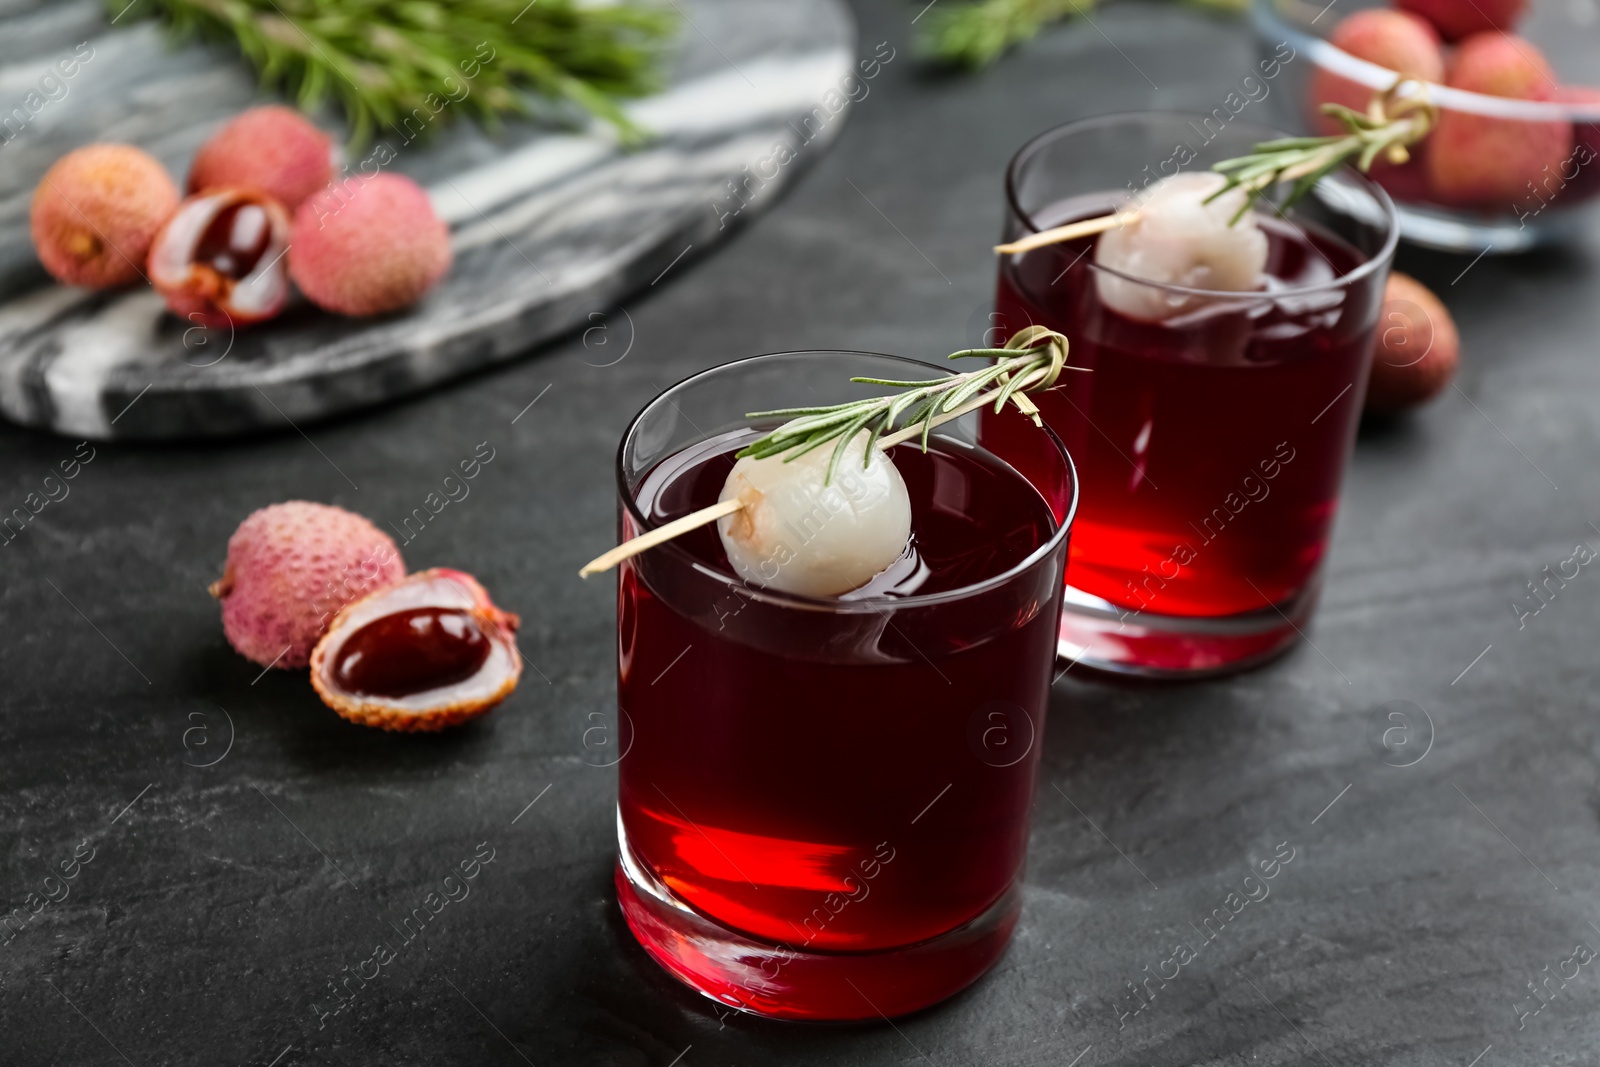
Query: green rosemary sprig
(1389,126)
(974,34)
(1031,361)
(382,60)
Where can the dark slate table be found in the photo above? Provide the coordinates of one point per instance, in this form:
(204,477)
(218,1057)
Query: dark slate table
(213,905)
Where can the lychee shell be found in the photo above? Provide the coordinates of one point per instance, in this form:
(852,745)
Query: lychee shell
(291,568)
(273,150)
(368,245)
(96,211)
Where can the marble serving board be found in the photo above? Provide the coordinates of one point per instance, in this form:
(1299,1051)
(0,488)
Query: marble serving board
(548,226)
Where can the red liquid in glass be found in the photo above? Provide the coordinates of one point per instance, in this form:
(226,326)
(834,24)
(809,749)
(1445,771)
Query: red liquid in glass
(1210,447)
(830,805)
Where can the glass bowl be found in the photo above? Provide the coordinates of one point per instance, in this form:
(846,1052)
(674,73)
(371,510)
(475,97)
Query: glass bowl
(1520,201)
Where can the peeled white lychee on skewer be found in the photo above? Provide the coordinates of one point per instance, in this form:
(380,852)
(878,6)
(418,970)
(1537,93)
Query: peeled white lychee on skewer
(797,535)
(1179,239)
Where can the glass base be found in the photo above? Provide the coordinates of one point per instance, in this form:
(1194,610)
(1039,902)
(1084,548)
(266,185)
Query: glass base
(1098,634)
(778,982)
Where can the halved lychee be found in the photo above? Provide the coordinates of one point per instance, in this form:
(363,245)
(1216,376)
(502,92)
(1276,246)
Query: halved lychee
(219,259)
(428,653)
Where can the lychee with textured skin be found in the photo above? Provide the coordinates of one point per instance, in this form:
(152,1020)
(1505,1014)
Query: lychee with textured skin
(96,211)
(291,568)
(368,245)
(274,150)
(1497,64)
(1418,348)
(1393,40)
(427,653)
(219,260)
(1489,160)
(1455,19)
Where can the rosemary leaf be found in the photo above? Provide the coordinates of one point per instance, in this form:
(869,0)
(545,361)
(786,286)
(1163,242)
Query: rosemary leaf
(1398,118)
(1032,360)
(848,435)
(898,385)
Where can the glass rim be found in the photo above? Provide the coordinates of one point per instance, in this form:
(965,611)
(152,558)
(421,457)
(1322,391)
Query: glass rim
(1328,56)
(837,605)
(1379,260)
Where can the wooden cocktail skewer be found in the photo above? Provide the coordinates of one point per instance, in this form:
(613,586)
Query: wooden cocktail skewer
(1070,232)
(1014,391)
(660,535)
(1391,123)
(696,519)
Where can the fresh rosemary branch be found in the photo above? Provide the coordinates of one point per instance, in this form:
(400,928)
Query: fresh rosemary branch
(973,34)
(1391,123)
(1031,361)
(383,60)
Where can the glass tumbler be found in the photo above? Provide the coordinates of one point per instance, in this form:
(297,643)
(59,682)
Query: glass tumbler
(823,806)
(1211,443)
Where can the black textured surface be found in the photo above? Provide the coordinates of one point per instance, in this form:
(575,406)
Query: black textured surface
(219,905)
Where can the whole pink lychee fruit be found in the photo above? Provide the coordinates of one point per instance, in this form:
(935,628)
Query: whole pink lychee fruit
(1487,160)
(1418,347)
(96,211)
(291,568)
(1393,40)
(1497,64)
(1455,19)
(368,245)
(274,150)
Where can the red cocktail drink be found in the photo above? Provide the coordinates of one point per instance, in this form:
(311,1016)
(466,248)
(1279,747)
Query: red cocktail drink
(824,803)
(1211,443)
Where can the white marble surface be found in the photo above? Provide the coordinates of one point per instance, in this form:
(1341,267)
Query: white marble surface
(548,227)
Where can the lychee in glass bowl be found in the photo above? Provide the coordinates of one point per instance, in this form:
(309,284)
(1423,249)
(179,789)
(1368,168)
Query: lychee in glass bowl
(1497,175)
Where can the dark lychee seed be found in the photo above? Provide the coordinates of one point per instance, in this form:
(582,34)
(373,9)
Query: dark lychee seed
(412,652)
(235,240)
